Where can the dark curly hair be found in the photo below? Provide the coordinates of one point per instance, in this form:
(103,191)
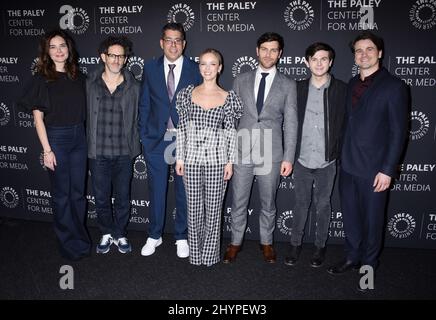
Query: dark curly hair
(116,40)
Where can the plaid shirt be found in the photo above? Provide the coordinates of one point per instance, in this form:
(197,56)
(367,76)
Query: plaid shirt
(111,140)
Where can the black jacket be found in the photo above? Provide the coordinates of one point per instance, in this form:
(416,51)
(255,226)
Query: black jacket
(334,111)
(129,105)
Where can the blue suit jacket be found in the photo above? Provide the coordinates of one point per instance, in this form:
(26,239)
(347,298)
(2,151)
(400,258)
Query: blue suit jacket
(155,106)
(376,128)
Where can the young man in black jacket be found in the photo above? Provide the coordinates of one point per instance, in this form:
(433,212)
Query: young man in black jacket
(321,105)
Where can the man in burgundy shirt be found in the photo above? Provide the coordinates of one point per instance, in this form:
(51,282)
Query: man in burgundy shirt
(374,138)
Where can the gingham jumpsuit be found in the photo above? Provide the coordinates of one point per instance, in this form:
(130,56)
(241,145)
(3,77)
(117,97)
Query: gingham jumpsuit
(205,143)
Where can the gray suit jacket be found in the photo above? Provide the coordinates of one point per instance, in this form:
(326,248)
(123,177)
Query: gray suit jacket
(279,115)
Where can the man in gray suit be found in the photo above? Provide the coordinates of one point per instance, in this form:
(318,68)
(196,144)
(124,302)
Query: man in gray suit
(266,143)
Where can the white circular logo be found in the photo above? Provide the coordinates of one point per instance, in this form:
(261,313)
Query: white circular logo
(284,222)
(136,66)
(299,15)
(244,62)
(401,225)
(34,66)
(419,125)
(423,14)
(9,197)
(182,13)
(41,160)
(81,17)
(140,168)
(355,70)
(74,19)
(92,213)
(5,114)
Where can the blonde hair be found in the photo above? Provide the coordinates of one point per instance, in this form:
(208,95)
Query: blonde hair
(215,52)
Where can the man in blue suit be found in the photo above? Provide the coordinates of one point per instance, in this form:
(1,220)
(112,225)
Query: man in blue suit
(162,79)
(374,139)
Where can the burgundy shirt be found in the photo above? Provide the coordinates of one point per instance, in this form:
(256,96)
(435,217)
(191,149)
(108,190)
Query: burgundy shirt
(361,86)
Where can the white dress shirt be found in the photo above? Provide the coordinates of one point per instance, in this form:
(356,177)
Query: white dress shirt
(268,81)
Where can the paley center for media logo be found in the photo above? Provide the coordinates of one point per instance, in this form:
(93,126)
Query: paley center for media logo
(299,15)
(419,125)
(401,225)
(140,168)
(244,62)
(5,114)
(423,14)
(75,20)
(284,222)
(182,13)
(136,66)
(9,197)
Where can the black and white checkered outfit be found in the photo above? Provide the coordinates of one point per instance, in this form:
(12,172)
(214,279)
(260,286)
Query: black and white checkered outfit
(205,143)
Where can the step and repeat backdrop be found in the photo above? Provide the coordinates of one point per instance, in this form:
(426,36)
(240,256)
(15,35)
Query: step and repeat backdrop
(409,30)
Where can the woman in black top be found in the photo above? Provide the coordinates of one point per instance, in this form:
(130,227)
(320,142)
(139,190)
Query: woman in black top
(57,98)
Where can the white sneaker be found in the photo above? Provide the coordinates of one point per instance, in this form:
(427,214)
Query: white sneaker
(105,243)
(150,246)
(182,248)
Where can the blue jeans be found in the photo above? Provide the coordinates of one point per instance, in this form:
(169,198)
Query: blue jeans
(112,174)
(68,189)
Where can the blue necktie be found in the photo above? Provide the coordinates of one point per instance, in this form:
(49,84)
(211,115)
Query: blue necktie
(261,92)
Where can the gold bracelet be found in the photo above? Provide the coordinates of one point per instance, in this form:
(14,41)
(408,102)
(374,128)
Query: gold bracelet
(46,153)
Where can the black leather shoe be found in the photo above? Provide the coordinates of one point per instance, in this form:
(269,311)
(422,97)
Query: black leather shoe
(294,254)
(318,257)
(343,266)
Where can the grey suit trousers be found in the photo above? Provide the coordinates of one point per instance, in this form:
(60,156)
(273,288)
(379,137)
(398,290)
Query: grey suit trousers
(242,181)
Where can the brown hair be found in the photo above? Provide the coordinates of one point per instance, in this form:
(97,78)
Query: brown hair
(46,66)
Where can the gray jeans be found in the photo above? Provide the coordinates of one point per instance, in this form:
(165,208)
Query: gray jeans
(316,184)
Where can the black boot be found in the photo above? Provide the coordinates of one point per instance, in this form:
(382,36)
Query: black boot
(318,257)
(294,254)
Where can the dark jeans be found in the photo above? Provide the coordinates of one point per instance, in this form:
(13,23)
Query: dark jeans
(316,184)
(112,174)
(68,189)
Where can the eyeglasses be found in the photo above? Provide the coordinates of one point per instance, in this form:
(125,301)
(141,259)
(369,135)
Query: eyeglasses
(169,41)
(116,56)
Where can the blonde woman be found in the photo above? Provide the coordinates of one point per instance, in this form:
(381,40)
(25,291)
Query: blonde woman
(205,155)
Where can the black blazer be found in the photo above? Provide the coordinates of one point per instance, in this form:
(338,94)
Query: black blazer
(334,111)
(376,128)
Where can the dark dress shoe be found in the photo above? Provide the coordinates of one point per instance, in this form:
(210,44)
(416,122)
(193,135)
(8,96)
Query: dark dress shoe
(318,257)
(294,254)
(231,253)
(343,267)
(269,254)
